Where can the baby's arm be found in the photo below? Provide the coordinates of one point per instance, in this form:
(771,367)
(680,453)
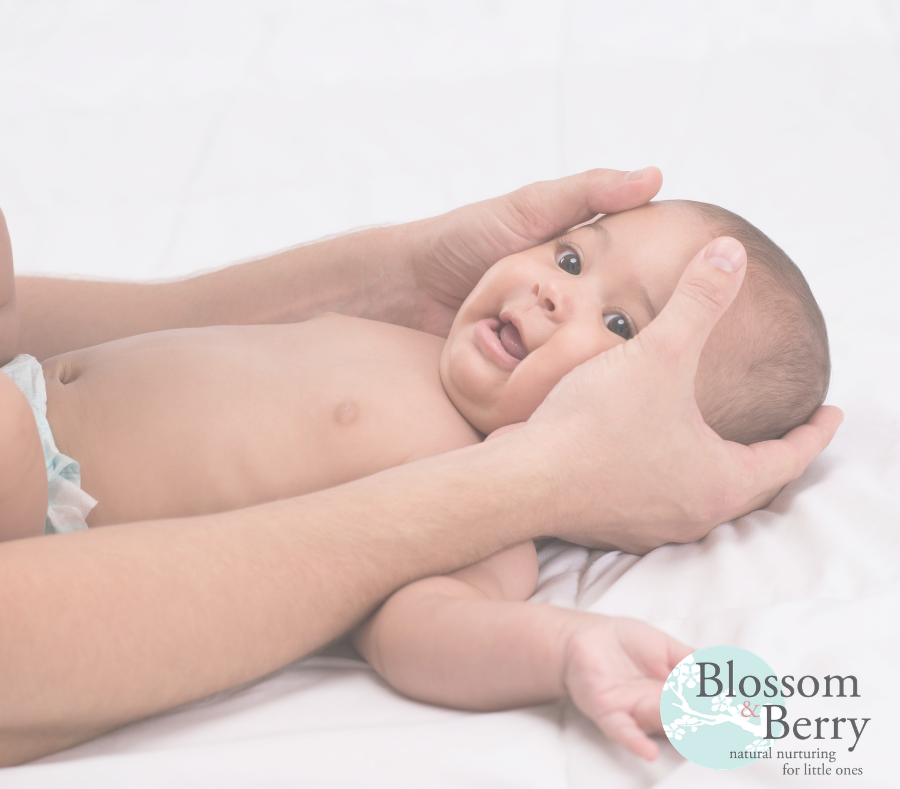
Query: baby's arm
(9,315)
(468,640)
(23,476)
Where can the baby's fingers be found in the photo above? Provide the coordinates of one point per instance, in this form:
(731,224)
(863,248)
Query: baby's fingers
(620,727)
(646,714)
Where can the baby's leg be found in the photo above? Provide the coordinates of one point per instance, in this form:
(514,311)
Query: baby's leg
(23,475)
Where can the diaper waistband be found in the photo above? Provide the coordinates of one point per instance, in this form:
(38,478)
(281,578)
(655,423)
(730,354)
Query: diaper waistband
(68,505)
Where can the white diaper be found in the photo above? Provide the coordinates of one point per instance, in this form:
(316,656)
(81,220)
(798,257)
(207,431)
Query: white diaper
(68,504)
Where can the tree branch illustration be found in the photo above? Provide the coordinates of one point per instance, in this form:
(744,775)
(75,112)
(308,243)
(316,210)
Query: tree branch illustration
(694,718)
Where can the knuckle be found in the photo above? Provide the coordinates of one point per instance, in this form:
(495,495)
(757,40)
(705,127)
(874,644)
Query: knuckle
(656,355)
(707,517)
(523,209)
(726,509)
(704,293)
(652,343)
(733,503)
(721,502)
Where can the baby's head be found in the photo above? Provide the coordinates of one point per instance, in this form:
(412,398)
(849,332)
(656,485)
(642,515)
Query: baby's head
(536,315)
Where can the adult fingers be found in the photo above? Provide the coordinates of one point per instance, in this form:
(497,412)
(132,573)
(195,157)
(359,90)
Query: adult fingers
(543,210)
(775,463)
(706,289)
(451,252)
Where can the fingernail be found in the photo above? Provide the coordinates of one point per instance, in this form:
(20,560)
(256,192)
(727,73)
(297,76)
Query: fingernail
(636,175)
(725,253)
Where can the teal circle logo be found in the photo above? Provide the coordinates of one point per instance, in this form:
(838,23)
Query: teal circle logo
(713,707)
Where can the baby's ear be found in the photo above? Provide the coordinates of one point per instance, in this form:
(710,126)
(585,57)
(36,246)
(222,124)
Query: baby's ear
(505,429)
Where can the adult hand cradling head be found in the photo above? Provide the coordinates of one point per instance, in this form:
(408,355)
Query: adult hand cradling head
(632,463)
(623,438)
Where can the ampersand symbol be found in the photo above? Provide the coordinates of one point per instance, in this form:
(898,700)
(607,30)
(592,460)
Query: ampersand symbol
(747,709)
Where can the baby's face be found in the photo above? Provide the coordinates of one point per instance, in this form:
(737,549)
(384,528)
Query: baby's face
(536,315)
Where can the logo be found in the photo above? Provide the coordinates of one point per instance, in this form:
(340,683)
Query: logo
(713,707)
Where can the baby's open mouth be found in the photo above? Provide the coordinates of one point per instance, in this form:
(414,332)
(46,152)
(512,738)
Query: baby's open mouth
(511,341)
(501,342)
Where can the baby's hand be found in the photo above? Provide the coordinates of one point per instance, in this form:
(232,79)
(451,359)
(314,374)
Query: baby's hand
(614,672)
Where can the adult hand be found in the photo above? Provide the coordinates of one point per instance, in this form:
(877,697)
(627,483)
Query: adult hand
(623,436)
(446,255)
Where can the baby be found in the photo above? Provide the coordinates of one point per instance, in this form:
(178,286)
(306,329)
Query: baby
(195,421)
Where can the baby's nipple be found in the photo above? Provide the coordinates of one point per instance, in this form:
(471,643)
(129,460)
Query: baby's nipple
(346,412)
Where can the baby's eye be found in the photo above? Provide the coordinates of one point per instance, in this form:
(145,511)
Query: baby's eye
(569,262)
(618,324)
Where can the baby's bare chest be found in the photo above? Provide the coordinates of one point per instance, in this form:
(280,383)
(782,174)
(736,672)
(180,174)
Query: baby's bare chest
(226,417)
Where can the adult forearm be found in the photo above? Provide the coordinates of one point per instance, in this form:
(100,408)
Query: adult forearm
(347,274)
(434,645)
(103,627)
(415,274)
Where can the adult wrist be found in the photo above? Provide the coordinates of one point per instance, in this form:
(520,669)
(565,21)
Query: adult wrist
(387,289)
(585,517)
(363,273)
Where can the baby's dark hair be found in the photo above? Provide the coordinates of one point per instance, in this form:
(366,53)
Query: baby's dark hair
(780,383)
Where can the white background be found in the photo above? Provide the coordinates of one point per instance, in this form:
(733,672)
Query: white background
(148,140)
(143,140)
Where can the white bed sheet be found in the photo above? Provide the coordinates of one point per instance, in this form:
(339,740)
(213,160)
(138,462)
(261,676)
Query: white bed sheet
(152,140)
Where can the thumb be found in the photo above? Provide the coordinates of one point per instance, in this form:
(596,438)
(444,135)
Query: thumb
(502,431)
(706,289)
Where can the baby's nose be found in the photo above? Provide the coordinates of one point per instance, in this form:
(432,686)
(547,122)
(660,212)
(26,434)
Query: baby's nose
(553,298)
